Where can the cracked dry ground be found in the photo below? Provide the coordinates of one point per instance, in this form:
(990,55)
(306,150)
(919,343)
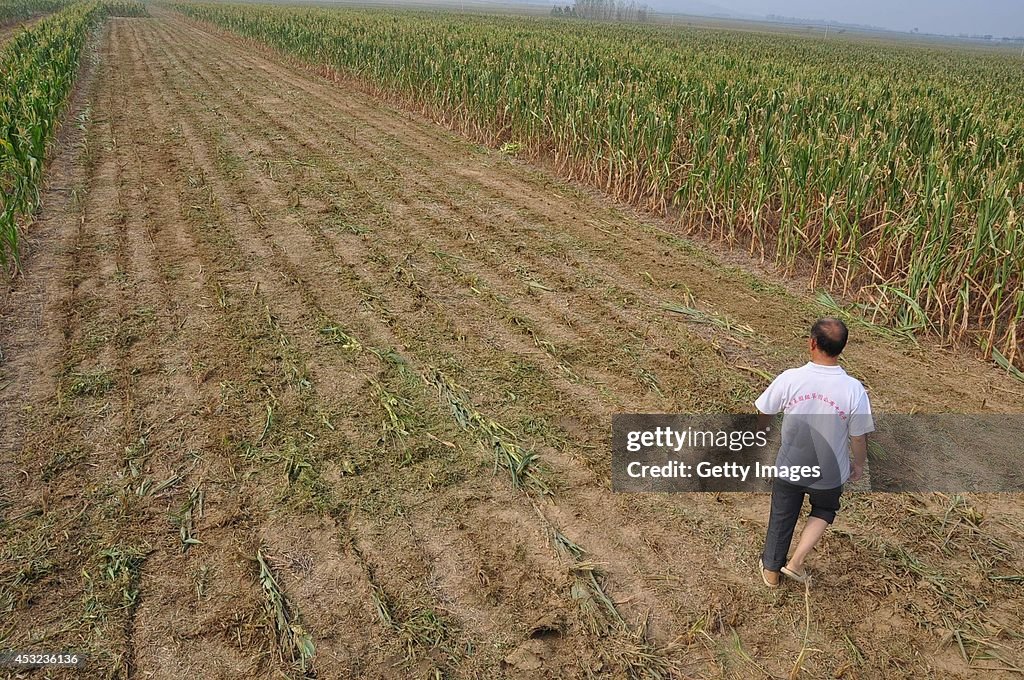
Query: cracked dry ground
(265,316)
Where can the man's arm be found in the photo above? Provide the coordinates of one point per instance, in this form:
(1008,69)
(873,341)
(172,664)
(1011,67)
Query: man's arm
(861,423)
(859,451)
(771,401)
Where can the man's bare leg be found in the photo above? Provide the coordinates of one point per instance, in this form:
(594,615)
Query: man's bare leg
(812,533)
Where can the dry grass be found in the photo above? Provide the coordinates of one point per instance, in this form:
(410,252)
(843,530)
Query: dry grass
(191,509)
(522,465)
(947,552)
(295,645)
(717,320)
(625,647)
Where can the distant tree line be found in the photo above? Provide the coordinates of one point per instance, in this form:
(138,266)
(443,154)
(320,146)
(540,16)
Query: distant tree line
(780,18)
(604,10)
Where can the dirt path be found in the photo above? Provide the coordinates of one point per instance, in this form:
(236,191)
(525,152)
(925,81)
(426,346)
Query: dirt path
(267,317)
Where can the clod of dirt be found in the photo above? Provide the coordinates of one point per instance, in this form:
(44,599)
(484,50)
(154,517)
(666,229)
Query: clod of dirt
(528,656)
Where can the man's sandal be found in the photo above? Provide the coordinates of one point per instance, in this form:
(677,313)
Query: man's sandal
(761,570)
(798,576)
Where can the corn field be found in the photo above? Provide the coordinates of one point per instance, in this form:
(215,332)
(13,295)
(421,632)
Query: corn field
(890,174)
(19,10)
(125,8)
(37,70)
(296,374)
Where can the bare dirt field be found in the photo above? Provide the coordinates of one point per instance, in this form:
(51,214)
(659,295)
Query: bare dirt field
(272,333)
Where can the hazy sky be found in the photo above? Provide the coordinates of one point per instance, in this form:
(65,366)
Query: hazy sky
(998,17)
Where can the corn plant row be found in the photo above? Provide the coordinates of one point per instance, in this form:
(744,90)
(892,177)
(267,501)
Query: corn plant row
(37,70)
(125,8)
(12,11)
(892,173)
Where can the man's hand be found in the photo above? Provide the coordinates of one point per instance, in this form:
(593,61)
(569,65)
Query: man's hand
(859,449)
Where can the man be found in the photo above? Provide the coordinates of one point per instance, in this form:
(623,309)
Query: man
(826,414)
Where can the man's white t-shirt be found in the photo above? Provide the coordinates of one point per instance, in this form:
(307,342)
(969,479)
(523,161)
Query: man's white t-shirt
(827,401)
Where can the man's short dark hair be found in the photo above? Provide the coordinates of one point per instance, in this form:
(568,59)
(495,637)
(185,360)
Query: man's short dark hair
(830,335)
